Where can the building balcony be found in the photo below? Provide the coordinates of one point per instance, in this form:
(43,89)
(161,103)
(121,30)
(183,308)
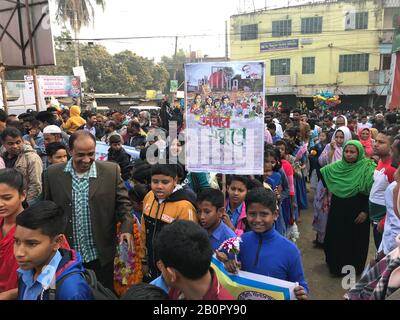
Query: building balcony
(379,77)
(386,37)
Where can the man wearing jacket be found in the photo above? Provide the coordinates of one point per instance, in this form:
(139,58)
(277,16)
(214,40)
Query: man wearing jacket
(25,160)
(92,195)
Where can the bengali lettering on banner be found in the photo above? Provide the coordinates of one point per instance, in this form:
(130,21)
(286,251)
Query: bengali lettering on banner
(225,117)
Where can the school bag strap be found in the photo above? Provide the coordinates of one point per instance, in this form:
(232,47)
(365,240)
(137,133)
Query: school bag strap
(98,290)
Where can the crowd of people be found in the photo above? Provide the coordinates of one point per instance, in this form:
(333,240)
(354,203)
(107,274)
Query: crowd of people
(63,212)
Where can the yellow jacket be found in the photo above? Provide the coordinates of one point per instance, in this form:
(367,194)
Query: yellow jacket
(75,121)
(178,206)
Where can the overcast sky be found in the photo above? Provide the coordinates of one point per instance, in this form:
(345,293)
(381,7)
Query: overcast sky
(130,18)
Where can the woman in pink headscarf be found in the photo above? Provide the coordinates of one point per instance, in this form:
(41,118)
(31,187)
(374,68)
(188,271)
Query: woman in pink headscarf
(364,135)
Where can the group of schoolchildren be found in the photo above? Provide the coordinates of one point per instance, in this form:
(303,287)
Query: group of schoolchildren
(251,211)
(34,250)
(260,210)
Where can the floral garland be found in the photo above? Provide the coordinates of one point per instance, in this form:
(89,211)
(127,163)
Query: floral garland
(128,269)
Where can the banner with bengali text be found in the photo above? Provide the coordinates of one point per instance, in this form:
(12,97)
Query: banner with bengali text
(225,117)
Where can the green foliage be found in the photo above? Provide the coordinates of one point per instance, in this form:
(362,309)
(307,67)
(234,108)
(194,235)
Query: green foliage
(83,8)
(175,66)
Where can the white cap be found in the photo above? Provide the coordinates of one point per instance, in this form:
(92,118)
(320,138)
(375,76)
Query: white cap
(52,129)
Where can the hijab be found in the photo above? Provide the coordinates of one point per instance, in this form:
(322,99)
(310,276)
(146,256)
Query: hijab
(345,179)
(367,144)
(346,132)
(337,155)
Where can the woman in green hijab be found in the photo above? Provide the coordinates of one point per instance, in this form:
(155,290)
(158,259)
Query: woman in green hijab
(347,232)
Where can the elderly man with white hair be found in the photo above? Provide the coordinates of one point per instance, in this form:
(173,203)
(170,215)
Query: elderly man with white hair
(379,122)
(144,120)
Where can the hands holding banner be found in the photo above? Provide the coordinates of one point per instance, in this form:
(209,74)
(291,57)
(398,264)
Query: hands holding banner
(250,286)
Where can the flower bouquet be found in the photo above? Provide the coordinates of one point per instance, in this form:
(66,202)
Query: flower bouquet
(232,245)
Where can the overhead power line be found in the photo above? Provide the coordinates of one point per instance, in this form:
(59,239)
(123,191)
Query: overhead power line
(349,32)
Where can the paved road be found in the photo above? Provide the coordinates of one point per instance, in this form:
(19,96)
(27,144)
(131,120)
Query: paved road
(322,285)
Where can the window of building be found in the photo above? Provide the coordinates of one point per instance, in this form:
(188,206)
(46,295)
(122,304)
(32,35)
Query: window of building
(249,32)
(281,28)
(309,65)
(311,25)
(353,62)
(362,20)
(280,67)
(386,61)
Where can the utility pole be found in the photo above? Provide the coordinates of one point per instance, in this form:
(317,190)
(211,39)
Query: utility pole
(76,36)
(3,85)
(226,41)
(175,62)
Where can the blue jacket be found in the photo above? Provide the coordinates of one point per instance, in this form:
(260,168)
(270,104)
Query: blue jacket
(39,140)
(74,287)
(271,255)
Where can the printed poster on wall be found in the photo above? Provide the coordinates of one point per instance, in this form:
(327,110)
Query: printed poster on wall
(225,117)
(60,86)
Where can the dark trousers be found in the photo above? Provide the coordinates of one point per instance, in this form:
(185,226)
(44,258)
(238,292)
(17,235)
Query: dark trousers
(104,274)
(377,236)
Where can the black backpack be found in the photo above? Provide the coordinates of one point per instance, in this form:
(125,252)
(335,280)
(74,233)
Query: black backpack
(98,290)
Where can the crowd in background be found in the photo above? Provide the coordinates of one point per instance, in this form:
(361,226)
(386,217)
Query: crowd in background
(61,207)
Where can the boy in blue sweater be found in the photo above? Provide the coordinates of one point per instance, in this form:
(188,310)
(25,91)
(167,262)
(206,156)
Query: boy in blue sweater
(210,204)
(263,250)
(42,264)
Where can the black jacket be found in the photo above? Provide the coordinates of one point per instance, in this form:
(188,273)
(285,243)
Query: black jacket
(124,161)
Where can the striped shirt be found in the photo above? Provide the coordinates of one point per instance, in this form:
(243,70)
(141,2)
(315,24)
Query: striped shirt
(82,227)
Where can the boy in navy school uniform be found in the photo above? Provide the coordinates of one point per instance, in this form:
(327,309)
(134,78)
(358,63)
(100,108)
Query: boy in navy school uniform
(42,264)
(210,212)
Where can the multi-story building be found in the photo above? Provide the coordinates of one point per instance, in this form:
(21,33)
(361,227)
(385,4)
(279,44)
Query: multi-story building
(341,46)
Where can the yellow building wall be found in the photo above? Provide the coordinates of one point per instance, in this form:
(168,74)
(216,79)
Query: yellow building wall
(326,47)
